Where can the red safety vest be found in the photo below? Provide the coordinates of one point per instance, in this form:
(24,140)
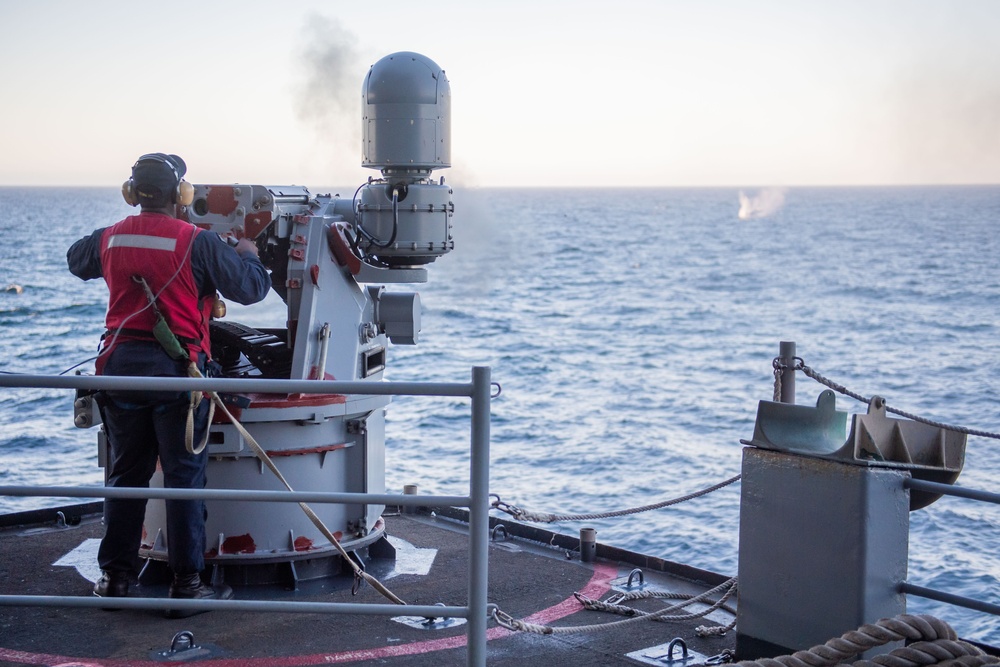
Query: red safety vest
(158,248)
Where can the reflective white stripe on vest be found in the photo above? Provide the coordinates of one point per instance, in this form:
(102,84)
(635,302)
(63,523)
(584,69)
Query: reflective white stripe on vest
(142,241)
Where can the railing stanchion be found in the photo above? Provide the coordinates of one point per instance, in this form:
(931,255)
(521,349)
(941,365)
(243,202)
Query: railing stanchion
(479,519)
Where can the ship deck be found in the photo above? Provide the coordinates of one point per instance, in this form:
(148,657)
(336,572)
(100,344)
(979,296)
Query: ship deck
(533,575)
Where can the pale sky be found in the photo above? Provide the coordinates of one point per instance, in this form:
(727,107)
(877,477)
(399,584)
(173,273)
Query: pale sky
(574,93)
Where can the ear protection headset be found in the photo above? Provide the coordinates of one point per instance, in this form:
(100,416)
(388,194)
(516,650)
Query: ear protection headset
(183,194)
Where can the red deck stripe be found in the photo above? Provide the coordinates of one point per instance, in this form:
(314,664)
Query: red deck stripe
(598,585)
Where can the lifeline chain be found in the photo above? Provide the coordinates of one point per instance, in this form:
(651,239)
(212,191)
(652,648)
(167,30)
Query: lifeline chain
(779,366)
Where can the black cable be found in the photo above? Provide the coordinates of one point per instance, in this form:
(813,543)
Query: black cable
(395,224)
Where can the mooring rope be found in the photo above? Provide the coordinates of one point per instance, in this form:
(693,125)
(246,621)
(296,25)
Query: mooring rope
(507,621)
(615,607)
(656,595)
(932,642)
(544,517)
(800,365)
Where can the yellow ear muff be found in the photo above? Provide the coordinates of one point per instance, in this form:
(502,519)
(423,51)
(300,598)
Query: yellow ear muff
(185,193)
(128,193)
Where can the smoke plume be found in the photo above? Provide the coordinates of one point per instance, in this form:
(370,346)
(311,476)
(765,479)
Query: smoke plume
(329,98)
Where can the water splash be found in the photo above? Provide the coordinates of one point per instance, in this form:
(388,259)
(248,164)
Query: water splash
(764,203)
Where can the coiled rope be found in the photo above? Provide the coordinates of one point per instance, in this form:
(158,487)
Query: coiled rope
(544,517)
(196,398)
(932,640)
(779,366)
(507,621)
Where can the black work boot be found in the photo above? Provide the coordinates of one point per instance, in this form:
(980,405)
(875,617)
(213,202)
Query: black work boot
(191,587)
(112,585)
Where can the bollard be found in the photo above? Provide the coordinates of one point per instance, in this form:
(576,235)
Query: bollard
(786,351)
(409,490)
(588,545)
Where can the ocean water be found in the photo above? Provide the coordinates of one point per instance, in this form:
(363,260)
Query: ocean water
(632,332)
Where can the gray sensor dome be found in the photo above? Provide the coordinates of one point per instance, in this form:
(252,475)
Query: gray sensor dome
(406,111)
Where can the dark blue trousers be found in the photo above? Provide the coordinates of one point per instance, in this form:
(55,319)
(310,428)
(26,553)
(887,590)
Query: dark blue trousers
(143,427)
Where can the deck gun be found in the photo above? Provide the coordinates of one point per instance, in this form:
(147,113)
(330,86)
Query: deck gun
(331,260)
(321,248)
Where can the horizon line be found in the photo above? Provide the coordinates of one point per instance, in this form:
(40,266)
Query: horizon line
(569,187)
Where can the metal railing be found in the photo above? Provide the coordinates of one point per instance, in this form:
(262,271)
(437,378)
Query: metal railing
(784,372)
(942,596)
(476,611)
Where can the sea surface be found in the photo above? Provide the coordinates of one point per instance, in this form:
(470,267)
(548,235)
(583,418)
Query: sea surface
(632,332)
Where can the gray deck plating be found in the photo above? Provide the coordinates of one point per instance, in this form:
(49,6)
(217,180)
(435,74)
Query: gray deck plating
(526,579)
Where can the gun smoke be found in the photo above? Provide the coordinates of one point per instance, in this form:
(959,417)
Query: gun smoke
(329,98)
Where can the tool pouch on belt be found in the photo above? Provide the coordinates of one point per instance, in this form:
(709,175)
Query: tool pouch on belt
(161,330)
(172,346)
(166,338)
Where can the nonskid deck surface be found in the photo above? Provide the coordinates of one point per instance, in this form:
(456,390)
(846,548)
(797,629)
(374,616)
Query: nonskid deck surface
(525,581)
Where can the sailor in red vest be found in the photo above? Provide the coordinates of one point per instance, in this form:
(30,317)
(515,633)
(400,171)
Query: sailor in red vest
(162,273)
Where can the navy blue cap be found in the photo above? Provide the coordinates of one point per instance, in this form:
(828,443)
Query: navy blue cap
(155,177)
